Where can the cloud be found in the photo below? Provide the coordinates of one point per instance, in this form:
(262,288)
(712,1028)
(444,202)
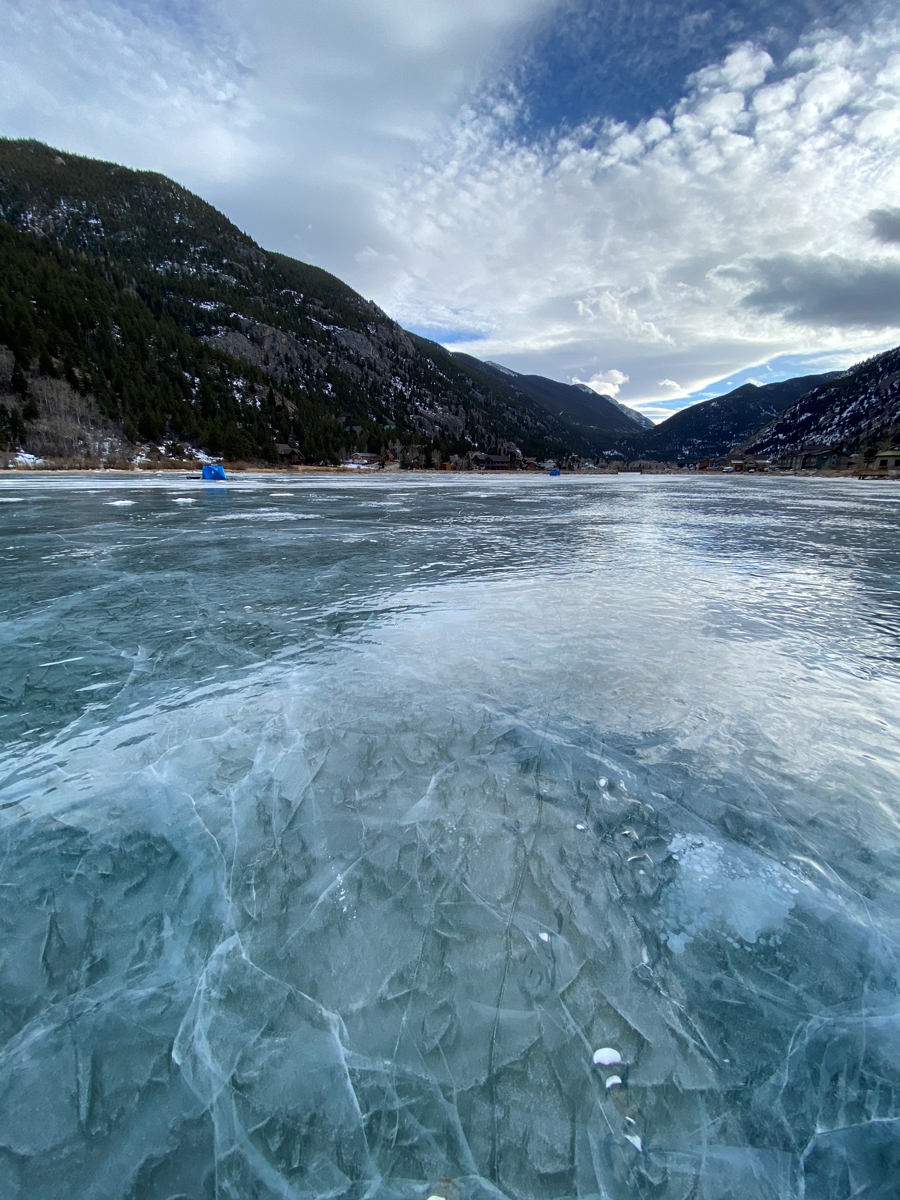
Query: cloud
(629,58)
(630,242)
(142,87)
(886,224)
(284,113)
(827,291)
(605,383)
(383,139)
(670,383)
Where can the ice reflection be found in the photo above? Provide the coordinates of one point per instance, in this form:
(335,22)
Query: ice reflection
(334,848)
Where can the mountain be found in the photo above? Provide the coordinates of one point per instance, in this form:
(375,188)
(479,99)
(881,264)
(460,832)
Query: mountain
(129,307)
(855,411)
(713,427)
(632,413)
(598,419)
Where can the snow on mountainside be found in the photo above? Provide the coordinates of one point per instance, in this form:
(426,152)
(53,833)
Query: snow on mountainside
(857,411)
(639,419)
(711,428)
(598,420)
(503,370)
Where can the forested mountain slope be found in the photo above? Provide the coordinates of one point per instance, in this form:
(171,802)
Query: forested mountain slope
(137,306)
(713,427)
(600,419)
(855,411)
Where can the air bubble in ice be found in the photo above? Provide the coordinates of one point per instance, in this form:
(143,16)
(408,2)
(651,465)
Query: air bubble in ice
(606,1056)
(739,893)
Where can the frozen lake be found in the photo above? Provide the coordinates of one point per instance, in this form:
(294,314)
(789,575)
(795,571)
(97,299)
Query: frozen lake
(344,819)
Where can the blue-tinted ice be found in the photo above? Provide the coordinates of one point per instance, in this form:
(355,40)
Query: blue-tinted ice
(343,821)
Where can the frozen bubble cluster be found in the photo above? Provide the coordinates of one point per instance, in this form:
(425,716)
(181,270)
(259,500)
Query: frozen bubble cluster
(356,856)
(743,899)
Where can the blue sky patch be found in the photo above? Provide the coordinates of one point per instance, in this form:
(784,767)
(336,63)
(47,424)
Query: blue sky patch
(446,336)
(627,59)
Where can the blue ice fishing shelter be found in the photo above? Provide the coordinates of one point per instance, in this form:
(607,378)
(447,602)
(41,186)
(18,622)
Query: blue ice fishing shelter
(213,471)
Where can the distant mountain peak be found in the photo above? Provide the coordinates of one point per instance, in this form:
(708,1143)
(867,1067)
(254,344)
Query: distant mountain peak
(505,370)
(711,428)
(597,422)
(638,418)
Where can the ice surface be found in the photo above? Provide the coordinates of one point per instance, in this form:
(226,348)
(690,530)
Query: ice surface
(310,886)
(743,897)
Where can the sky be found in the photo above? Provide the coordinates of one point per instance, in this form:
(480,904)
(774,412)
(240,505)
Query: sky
(661,200)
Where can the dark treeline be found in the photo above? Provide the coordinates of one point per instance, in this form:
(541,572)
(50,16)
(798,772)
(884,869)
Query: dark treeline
(72,316)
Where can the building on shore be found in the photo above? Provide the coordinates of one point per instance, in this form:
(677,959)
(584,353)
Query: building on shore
(818,458)
(883,462)
(289,455)
(497,462)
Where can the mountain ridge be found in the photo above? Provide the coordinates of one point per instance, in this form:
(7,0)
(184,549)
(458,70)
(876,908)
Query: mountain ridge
(231,348)
(711,428)
(599,419)
(632,413)
(855,411)
(132,310)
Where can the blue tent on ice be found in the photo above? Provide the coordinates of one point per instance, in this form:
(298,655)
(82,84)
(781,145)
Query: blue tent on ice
(213,471)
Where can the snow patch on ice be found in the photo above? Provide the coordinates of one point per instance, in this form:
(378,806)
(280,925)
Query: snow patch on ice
(266,514)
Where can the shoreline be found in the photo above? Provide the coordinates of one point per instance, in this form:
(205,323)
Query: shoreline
(181,474)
